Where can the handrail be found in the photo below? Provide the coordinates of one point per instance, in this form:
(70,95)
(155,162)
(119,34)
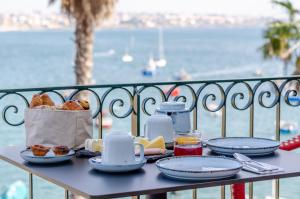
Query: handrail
(148,84)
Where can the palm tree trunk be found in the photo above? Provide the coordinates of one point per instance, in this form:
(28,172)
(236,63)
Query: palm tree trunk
(84,34)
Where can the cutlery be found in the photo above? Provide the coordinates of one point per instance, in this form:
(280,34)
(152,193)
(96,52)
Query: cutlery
(252,163)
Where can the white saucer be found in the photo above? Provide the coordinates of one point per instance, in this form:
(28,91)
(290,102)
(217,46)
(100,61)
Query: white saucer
(96,163)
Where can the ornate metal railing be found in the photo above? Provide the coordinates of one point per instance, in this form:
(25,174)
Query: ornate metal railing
(137,101)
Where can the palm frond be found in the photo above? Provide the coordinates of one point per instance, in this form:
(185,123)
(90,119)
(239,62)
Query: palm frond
(289,7)
(93,10)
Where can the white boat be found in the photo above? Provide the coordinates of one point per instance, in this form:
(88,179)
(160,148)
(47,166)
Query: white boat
(288,127)
(258,72)
(150,69)
(161,62)
(127,58)
(213,106)
(182,75)
(17,190)
(107,121)
(107,53)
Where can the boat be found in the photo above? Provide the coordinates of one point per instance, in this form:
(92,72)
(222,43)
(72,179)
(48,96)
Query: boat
(182,75)
(213,106)
(127,58)
(150,69)
(288,127)
(294,98)
(257,72)
(107,121)
(174,93)
(107,53)
(17,190)
(161,62)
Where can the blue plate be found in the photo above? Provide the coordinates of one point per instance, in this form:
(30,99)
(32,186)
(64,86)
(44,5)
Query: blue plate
(244,145)
(196,168)
(50,157)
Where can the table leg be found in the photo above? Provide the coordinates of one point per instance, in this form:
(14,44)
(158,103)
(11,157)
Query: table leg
(223,192)
(194,194)
(66,194)
(157,196)
(250,190)
(277,189)
(30,188)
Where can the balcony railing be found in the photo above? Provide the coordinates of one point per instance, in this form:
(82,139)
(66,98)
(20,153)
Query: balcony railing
(130,104)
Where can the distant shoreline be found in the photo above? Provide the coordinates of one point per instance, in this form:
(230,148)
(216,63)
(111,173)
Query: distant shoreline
(56,21)
(127,28)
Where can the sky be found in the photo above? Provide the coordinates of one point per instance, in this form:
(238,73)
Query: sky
(227,7)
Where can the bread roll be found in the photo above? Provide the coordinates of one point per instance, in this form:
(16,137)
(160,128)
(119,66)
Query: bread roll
(47,100)
(85,104)
(36,101)
(72,105)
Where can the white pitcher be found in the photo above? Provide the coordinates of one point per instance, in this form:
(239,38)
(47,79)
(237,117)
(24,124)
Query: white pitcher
(159,125)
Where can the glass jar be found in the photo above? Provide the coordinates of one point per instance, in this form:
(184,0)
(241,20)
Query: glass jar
(188,144)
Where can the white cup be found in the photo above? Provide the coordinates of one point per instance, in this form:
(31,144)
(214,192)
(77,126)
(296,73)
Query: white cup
(119,149)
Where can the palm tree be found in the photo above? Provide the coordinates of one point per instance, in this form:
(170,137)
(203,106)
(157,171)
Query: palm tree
(278,42)
(87,14)
(282,39)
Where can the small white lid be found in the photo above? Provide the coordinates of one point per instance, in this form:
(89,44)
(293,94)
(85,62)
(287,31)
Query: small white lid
(172,106)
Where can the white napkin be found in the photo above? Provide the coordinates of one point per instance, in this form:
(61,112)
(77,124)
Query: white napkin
(268,169)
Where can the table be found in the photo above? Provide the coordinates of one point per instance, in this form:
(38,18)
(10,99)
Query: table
(76,176)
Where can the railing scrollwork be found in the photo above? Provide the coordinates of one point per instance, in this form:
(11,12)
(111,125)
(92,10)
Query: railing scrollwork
(119,99)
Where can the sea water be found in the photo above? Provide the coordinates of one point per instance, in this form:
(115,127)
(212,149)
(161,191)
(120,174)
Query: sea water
(45,58)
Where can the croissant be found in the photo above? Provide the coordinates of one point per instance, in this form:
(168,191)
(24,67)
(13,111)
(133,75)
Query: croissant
(85,104)
(47,100)
(36,101)
(72,105)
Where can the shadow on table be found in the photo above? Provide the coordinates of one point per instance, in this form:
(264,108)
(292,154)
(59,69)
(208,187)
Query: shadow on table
(140,171)
(57,164)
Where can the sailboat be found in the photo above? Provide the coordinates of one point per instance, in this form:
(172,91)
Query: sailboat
(127,58)
(183,75)
(150,69)
(161,62)
(258,72)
